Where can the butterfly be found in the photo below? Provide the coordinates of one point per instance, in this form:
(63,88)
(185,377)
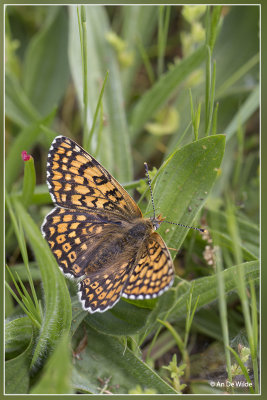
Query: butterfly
(98,234)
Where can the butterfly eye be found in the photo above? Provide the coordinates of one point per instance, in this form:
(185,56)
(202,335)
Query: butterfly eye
(155,223)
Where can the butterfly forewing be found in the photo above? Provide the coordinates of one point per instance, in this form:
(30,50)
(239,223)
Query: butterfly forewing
(76,179)
(97,232)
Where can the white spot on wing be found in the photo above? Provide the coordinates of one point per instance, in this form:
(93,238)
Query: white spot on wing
(147,296)
(45,221)
(89,309)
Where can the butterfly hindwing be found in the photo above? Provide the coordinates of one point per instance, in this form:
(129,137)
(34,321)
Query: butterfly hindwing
(153,273)
(76,180)
(102,290)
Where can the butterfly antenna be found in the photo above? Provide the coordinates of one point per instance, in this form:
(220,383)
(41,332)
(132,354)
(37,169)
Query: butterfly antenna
(185,226)
(150,188)
(154,211)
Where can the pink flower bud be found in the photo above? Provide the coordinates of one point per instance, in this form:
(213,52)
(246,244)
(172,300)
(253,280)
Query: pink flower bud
(25,156)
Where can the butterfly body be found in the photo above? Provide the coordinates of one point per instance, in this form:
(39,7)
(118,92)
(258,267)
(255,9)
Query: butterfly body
(97,232)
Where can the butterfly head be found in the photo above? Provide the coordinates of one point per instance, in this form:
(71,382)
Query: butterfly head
(157,221)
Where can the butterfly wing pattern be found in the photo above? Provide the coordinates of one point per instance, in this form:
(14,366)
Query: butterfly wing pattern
(153,272)
(97,233)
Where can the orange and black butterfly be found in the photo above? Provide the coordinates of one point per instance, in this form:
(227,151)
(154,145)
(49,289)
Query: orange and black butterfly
(97,232)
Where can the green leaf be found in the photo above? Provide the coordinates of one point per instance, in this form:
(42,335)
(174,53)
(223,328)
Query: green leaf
(206,288)
(114,149)
(123,319)
(18,334)
(57,318)
(18,107)
(163,89)
(106,357)
(231,34)
(78,314)
(128,317)
(45,82)
(186,179)
(19,269)
(163,304)
(227,45)
(17,372)
(56,375)
(249,232)
(244,113)
(225,241)
(29,181)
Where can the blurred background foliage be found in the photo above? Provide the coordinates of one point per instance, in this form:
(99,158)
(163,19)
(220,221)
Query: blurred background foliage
(157,100)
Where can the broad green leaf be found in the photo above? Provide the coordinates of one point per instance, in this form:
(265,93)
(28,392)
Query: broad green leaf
(17,372)
(126,318)
(78,314)
(18,334)
(163,89)
(105,357)
(184,184)
(57,318)
(45,82)
(162,307)
(56,375)
(123,319)
(206,288)
(114,150)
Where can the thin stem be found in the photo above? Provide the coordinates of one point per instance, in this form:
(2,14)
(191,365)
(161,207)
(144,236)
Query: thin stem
(240,279)
(150,188)
(146,61)
(98,107)
(83,39)
(160,40)
(223,310)
(214,120)
(22,245)
(162,35)
(254,354)
(208,83)
(211,99)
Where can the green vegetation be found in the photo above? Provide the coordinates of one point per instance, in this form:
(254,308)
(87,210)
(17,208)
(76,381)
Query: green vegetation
(172,86)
